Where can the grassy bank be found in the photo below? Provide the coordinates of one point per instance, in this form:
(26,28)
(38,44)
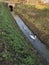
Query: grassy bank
(15,49)
(37,20)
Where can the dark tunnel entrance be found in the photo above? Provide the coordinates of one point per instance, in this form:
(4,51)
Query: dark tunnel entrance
(11,8)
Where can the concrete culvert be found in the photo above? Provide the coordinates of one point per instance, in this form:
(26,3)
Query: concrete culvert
(11,8)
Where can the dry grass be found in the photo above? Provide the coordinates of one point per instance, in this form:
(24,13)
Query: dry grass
(37,20)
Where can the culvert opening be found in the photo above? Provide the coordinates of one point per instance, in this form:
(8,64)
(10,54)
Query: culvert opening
(11,8)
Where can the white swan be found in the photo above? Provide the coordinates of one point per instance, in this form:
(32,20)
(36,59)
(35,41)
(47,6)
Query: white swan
(33,37)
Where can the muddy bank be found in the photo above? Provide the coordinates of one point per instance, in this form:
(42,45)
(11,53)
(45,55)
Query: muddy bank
(42,36)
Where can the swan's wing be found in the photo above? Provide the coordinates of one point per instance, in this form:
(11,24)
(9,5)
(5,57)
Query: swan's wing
(32,37)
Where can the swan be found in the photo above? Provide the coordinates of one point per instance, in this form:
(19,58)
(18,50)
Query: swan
(33,37)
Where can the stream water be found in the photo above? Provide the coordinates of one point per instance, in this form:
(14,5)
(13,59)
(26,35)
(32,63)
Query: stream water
(37,44)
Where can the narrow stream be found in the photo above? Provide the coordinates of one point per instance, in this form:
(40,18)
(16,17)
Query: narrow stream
(38,45)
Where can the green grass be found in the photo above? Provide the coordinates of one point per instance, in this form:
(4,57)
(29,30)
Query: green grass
(17,50)
(38,18)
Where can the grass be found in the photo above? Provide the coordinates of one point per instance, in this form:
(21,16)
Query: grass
(15,49)
(42,6)
(36,19)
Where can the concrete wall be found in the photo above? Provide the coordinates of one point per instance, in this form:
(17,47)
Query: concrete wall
(12,4)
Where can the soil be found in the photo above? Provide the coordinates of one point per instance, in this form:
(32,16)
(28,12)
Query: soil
(5,62)
(2,46)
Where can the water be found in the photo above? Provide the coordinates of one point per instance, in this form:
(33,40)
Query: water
(38,45)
